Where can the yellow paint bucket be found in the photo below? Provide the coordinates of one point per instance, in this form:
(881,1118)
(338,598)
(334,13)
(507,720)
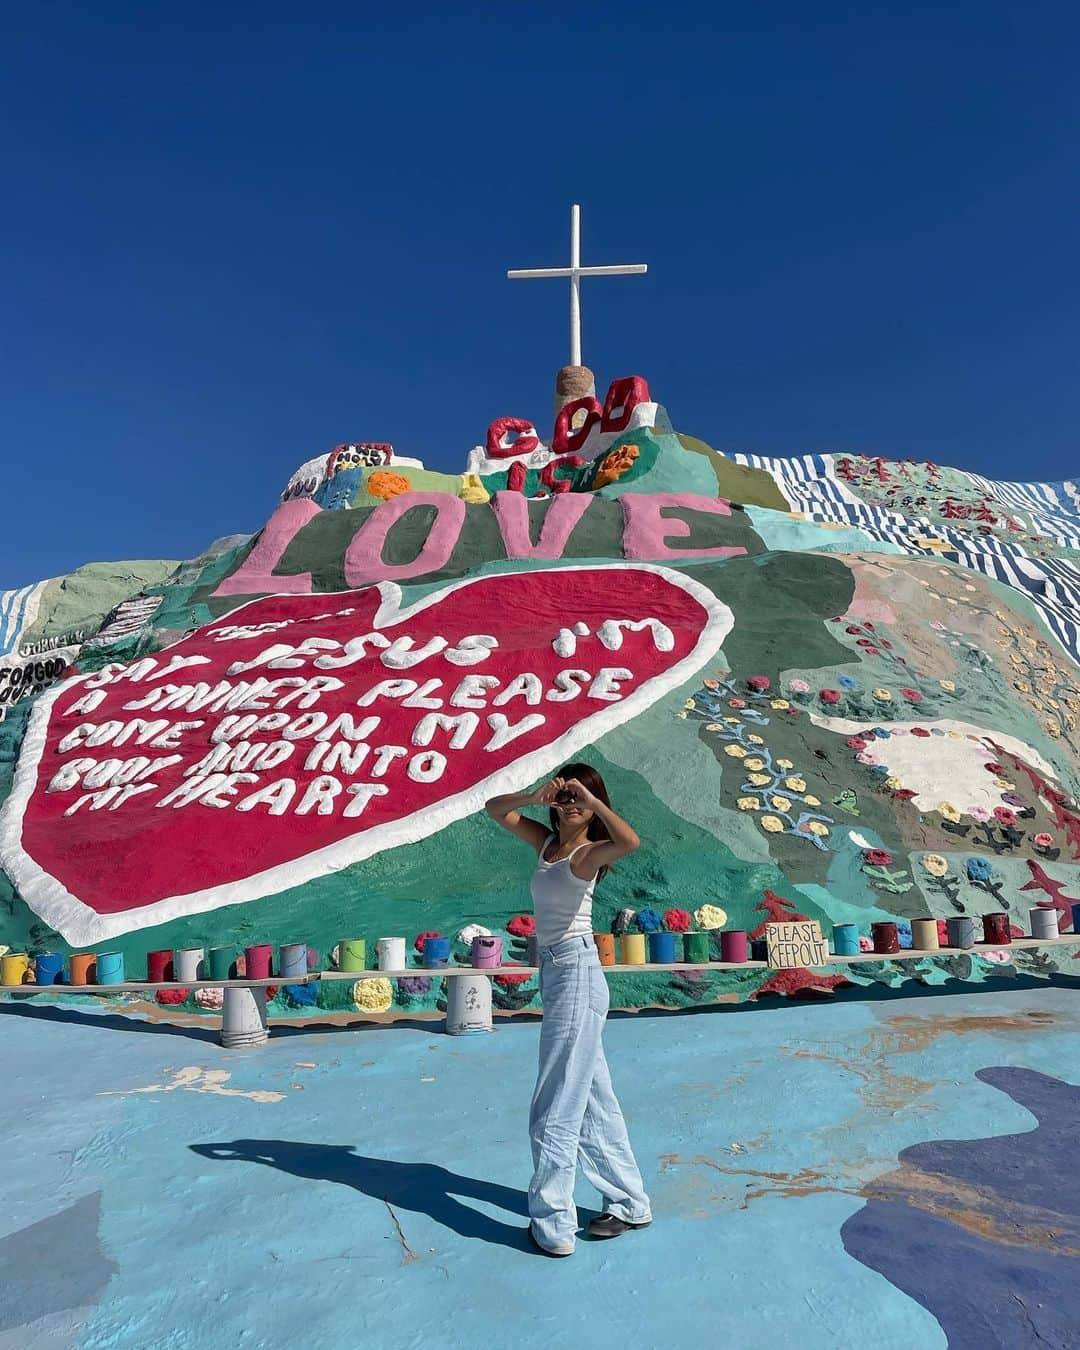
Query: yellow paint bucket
(924,935)
(13,968)
(632,948)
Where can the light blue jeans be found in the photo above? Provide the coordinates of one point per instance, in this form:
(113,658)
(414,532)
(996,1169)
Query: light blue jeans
(575,1117)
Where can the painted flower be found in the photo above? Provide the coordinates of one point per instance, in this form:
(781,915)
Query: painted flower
(748,804)
(387,485)
(709,917)
(799,686)
(939,626)
(912,695)
(779,803)
(993,767)
(648,920)
(758,683)
(865,944)
(816,827)
(919,731)
(773,824)
(373,995)
(779,704)
(1003,785)
(892,782)
(509,981)
(754,764)
(935,864)
(948,685)
(758,779)
(735,751)
(414,984)
(755,740)
(979,813)
(882,695)
(711,684)
(829,695)
(811,800)
(978,869)
(1044,840)
(211,1000)
(795,784)
(882,733)
(949,812)
(853,628)
(863,758)
(784,764)
(846,682)
(1005,815)
(714,726)
(677,920)
(522,925)
(736,703)
(996,956)
(856,743)
(877,857)
(421,938)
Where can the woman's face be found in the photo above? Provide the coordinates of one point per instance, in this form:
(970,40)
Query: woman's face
(572,814)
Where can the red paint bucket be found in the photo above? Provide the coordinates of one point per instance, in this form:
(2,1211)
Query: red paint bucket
(996,929)
(159,966)
(886,937)
(259,960)
(733,945)
(605,948)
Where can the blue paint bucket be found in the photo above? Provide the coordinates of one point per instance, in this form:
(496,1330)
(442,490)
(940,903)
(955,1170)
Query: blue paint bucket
(436,952)
(845,939)
(110,967)
(961,931)
(48,968)
(662,949)
(1076,917)
(292,960)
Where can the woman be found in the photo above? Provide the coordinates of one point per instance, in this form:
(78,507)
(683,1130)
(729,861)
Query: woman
(574,1115)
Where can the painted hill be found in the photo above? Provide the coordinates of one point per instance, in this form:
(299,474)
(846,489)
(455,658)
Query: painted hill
(838,686)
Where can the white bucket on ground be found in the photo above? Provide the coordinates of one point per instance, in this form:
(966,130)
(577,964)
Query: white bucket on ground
(468,1004)
(390,953)
(243,1016)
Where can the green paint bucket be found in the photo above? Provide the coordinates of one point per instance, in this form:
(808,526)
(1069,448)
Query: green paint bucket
(352,954)
(221,961)
(695,948)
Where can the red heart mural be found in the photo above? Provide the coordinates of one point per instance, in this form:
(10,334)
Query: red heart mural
(302,733)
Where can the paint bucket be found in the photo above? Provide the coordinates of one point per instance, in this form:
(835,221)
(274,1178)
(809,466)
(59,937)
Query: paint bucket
(352,955)
(886,937)
(759,949)
(924,935)
(292,960)
(996,929)
(468,1004)
(961,931)
(243,1017)
(532,950)
(662,949)
(82,968)
(733,946)
(159,966)
(48,968)
(845,939)
(110,968)
(486,952)
(1076,917)
(257,961)
(222,962)
(632,949)
(436,952)
(389,953)
(1044,922)
(605,948)
(14,967)
(696,948)
(187,964)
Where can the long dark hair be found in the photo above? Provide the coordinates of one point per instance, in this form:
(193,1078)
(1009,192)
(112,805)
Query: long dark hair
(589,778)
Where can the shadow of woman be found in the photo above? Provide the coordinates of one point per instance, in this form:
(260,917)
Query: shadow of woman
(422,1187)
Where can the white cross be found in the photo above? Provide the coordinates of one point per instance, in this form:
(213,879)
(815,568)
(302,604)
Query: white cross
(575,272)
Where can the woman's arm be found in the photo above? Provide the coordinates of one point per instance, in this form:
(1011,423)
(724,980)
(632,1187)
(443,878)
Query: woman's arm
(505,811)
(603,852)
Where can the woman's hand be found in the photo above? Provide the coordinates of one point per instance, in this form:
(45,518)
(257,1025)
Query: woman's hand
(547,792)
(582,796)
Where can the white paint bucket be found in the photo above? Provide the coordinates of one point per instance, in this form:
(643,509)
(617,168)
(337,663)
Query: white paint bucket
(243,1016)
(390,953)
(186,963)
(468,1004)
(1044,922)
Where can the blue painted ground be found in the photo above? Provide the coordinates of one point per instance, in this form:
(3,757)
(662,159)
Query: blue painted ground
(822,1176)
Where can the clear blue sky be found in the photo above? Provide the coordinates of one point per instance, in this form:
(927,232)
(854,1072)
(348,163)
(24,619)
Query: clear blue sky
(234,235)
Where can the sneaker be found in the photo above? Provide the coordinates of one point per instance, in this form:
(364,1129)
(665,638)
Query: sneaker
(611,1226)
(566,1250)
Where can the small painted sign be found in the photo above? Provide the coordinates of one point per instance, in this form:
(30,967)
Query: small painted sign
(795,945)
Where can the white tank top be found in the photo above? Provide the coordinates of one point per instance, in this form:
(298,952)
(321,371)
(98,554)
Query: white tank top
(562,902)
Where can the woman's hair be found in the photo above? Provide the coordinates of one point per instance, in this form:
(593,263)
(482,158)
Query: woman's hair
(589,778)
